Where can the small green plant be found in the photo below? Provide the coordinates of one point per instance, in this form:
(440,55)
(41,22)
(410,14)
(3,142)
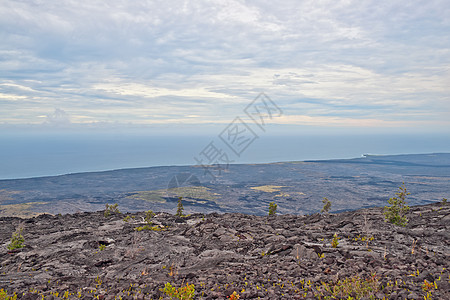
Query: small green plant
(17,239)
(102,247)
(234,296)
(183,293)
(128,218)
(395,213)
(111,209)
(326,205)
(148,217)
(272,208)
(427,286)
(98,282)
(444,201)
(335,241)
(4,295)
(149,227)
(180,207)
(349,288)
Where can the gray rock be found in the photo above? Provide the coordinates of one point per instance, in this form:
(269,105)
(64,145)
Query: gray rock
(221,254)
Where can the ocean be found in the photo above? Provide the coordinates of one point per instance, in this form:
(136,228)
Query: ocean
(35,155)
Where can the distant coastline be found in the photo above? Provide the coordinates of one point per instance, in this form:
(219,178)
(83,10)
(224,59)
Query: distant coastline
(29,156)
(298,187)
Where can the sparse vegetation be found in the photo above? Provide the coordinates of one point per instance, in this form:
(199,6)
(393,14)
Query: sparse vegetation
(349,288)
(268,188)
(4,295)
(180,207)
(427,286)
(111,209)
(17,240)
(326,205)
(234,296)
(148,217)
(395,213)
(128,218)
(335,241)
(444,201)
(328,280)
(183,293)
(272,208)
(149,227)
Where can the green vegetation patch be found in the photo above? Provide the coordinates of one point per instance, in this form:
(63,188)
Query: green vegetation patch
(268,188)
(150,196)
(23,210)
(191,193)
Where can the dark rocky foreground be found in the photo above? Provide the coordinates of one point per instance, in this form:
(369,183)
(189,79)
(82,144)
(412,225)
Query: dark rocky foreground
(88,255)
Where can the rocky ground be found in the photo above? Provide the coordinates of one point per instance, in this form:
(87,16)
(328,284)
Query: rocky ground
(88,255)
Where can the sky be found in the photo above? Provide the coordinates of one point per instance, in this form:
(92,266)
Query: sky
(181,64)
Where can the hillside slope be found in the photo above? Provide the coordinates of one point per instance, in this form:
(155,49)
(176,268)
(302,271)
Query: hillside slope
(298,187)
(89,255)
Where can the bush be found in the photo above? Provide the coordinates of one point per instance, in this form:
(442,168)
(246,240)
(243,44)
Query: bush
(326,205)
(272,208)
(183,293)
(395,213)
(180,207)
(127,218)
(4,295)
(350,288)
(17,240)
(111,209)
(335,241)
(148,217)
(149,227)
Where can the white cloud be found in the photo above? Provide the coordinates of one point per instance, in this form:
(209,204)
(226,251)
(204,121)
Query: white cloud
(370,63)
(146,91)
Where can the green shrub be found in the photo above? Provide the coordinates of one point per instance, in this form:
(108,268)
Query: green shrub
(17,240)
(349,288)
(180,207)
(4,295)
(335,241)
(183,293)
(234,296)
(148,217)
(326,205)
(149,227)
(272,208)
(444,201)
(111,209)
(395,213)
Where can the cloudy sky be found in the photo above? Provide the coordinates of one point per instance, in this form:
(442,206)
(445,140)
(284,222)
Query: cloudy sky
(352,64)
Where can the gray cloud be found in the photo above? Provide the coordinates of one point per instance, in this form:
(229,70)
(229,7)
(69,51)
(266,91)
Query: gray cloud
(139,62)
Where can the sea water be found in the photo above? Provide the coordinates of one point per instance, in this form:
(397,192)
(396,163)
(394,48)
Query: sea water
(34,155)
